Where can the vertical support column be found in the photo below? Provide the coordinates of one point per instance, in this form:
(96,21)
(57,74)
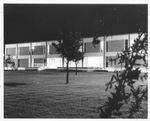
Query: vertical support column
(104,53)
(100,51)
(16,56)
(30,60)
(4,54)
(32,54)
(129,40)
(46,54)
(82,51)
(62,62)
(82,62)
(5,51)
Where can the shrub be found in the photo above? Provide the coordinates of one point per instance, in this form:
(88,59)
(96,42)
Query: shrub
(123,82)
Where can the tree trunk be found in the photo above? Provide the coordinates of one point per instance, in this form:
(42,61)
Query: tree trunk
(67,76)
(76,69)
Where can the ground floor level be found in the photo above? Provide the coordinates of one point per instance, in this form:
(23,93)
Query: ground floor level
(55,62)
(89,62)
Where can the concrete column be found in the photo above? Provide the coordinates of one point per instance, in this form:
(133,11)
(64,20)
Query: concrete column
(46,54)
(16,56)
(62,62)
(129,40)
(82,64)
(104,54)
(30,60)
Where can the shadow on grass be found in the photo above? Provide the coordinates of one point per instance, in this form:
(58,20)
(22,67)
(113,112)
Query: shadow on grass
(13,84)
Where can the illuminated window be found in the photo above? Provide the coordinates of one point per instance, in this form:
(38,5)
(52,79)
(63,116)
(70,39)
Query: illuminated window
(81,48)
(72,63)
(39,62)
(95,62)
(48,49)
(101,44)
(54,62)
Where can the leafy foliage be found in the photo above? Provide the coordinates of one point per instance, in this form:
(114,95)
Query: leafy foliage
(124,82)
(95,40)
(9,60)
(77,57)
(68,46)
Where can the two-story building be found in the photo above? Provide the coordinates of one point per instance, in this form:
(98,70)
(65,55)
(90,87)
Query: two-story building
(43,54)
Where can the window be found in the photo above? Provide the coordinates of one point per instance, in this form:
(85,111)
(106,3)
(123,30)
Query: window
(39,50)
(11,51)
(116,45)
(85,47)
(112,61)
(93,62)
(54,62)
(22,62)
(126,44)
(52,50)
(91,49)
(39,62)
(101,46)
(106,61)
(81,48)
(106,46)
(24,51)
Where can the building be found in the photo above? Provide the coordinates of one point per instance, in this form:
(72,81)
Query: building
(43,54)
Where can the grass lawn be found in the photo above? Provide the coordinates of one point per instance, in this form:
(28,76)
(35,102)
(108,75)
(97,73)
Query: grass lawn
(34,94)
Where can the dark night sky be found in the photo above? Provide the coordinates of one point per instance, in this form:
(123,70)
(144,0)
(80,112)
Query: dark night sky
(40,22)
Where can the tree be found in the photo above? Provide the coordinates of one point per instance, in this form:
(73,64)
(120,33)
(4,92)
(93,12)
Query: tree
(77,57)
(121,81)
(69,43)
(9,60)
(109,24)
(95,40)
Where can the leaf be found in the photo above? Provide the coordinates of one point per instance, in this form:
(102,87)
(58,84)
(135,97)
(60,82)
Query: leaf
(109,99)
(129,76)
(134,74)
(137,64)
(117,113)
(118,106)
(113,95)
(95,41)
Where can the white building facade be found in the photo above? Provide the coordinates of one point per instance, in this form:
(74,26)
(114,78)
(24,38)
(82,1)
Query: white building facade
(43,54)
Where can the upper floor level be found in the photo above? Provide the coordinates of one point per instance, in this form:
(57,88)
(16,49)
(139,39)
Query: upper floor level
(107,44)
